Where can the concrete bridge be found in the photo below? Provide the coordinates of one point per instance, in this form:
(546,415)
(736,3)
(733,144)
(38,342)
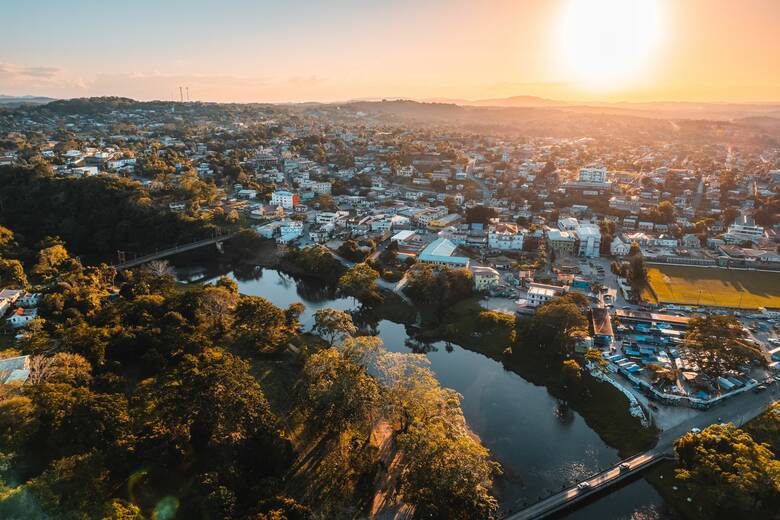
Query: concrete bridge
(736,410)
(163,253)
(596,483)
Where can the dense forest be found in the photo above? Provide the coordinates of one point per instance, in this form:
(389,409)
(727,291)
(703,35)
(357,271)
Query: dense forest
(150,399)
(95,216)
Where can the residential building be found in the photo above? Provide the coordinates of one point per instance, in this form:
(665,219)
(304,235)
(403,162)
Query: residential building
(744,229)
(285,199)
(506,237)
(593,174)
(589,236)
(562,242)
(485,278)
(539,293)
(618,247)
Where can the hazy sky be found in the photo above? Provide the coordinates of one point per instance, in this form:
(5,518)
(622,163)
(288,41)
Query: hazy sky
(294,50)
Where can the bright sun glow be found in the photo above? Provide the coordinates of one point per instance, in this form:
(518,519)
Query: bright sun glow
(609,43)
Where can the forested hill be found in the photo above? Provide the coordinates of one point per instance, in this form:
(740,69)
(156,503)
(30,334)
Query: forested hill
(94,216)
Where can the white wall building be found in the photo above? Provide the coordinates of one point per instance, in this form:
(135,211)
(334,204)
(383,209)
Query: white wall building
(285,199)
(539,293)
(593,174)
(589,236)
(506,236)
(744,229)
(618,247)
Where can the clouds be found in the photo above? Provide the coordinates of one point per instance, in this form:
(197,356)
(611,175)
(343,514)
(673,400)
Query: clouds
(21,80)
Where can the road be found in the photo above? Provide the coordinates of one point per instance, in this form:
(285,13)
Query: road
(736,410)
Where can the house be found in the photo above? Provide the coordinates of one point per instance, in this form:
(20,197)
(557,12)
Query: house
(665,241)
(618,247)
(506,237)
(7,298)
(21,317)
(539,293)
(744,229)
(646,226)
(562,242)
(284,198)
(691,241)
(29,300)
(485,278)
(447,220)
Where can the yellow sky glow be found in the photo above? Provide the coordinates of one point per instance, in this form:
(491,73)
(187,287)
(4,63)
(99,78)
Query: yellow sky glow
(241,50)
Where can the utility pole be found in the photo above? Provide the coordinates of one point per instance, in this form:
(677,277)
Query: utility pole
(188,94)
(181,95)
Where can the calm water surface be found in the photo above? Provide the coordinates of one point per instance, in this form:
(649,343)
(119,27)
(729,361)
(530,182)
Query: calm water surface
(541,444)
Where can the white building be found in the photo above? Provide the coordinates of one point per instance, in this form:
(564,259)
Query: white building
(589,236)
(539,293)
(744,229)
(618,247)
(22,317)
(593,174)
(568,223)
(485,278)
(506,236)
(331,217)
(285,199)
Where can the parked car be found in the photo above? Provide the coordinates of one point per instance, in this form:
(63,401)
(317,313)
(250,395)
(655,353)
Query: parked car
(695,430)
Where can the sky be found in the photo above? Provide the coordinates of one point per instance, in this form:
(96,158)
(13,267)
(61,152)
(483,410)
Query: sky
(335,50)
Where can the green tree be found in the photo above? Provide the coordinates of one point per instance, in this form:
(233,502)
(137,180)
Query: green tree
(261,323)
(211,399)
(557,323)
(12,273)
(338,389)
(733,472)
(480,214)
(333,324)
(717,344)
(447,476)
(360,283)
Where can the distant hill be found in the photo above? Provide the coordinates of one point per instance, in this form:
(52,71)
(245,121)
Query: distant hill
(15,101)
(655,109)
(513,101)
(628,122)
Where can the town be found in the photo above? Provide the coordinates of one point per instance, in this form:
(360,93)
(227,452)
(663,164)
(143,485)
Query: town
(655,239)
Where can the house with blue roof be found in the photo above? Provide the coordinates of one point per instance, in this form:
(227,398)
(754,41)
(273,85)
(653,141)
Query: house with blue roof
(440,253)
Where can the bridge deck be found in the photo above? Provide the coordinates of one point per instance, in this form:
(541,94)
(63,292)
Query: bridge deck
(598,482)
(172,251)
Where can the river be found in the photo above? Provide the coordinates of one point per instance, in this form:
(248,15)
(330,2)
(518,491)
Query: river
(541,444)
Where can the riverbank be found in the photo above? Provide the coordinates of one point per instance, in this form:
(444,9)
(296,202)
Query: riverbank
(605,409)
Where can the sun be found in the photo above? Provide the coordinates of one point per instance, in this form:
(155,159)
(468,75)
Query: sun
(609,43)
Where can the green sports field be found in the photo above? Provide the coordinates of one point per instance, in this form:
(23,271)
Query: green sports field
(713,286)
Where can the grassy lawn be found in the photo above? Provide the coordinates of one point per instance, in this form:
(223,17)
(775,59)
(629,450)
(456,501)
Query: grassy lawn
(713,286)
